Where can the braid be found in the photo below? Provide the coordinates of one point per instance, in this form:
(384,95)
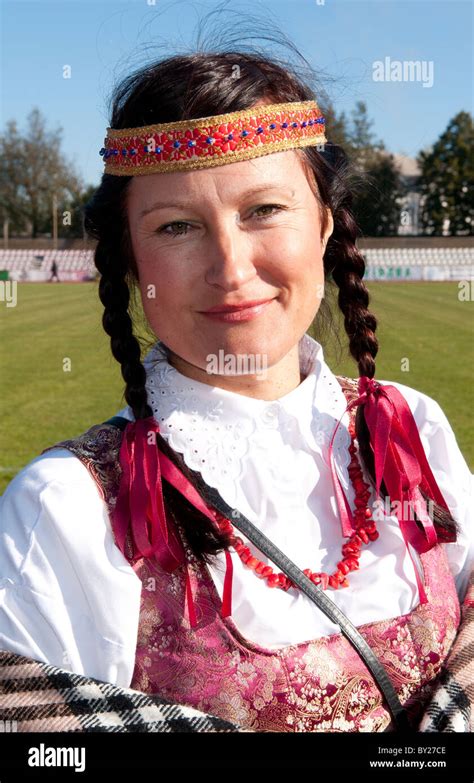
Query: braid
(114,293)
(353,297)
(353,300)
(348,267)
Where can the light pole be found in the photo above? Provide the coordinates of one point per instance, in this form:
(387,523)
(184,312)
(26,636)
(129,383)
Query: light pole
(55,222)
(5,233)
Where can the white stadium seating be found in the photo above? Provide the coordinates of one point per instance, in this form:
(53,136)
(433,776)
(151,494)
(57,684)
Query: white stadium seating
(424,263)
(386,263)
(36,264)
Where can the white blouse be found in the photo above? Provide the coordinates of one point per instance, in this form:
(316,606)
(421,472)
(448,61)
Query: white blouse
(69,597)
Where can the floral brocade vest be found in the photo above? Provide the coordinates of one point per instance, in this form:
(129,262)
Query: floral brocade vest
(318,685)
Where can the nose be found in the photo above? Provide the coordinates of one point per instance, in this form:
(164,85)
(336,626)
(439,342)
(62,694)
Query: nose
(230,257)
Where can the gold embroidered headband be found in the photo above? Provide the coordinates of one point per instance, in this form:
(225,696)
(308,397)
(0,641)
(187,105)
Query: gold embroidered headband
(212,141)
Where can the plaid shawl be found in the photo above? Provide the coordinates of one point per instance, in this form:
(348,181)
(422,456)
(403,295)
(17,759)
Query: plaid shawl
(36,696)
(451,705)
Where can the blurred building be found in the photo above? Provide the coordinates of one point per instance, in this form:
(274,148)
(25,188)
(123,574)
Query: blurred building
(410,203)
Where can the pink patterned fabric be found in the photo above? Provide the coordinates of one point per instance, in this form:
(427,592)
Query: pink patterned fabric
(317,685)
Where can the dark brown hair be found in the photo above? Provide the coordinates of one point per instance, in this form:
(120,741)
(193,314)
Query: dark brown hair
(200,85)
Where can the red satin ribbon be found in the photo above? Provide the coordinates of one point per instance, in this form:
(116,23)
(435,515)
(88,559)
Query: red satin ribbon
(141,509)
(400,461)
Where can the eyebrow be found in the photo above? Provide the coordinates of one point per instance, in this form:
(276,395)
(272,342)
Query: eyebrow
(186,203)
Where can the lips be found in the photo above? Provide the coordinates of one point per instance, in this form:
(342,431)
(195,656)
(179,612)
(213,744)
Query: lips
(232,308)
(240,313)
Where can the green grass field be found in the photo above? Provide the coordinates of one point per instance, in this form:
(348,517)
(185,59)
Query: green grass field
(42,404)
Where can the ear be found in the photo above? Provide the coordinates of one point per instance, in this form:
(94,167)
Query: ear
(329,227)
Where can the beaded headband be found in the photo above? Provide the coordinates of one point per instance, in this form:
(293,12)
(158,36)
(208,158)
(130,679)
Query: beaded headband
(212,141)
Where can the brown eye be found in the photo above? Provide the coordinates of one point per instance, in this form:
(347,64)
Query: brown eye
(277,207)
(161,230)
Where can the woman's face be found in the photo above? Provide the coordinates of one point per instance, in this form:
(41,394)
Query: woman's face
(243,232)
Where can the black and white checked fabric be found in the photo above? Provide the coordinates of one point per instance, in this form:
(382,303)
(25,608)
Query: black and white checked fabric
(38,697)
(449,709)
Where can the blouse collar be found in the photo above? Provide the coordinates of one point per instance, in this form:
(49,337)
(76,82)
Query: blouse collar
(216,429)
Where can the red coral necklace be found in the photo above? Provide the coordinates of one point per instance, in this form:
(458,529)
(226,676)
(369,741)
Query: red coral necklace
(365,531)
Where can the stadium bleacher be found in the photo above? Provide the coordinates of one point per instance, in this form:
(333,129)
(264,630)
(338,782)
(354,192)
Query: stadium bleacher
(72,265)
(383,263)
(419,263)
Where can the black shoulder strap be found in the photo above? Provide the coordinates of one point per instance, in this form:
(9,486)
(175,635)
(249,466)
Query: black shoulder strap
(319,597)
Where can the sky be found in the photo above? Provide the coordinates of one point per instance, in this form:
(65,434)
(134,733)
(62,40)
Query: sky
(102,41)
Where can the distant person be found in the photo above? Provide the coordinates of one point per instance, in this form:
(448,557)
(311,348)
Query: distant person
(54,272)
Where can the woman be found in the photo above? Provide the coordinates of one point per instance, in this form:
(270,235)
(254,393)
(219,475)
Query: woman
(231,226)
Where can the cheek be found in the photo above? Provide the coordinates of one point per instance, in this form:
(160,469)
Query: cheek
(164,291)
(297,257)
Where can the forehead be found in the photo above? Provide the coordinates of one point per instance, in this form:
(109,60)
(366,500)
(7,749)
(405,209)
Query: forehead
(275,171)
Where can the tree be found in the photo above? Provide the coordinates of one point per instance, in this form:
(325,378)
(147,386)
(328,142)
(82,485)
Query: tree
(362,147)
(376,185)
(376,205)
(73,211)
(13,202)
(447,179)
(335,126)
(32,170)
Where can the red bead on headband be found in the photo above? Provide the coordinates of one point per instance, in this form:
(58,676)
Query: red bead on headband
(212,141)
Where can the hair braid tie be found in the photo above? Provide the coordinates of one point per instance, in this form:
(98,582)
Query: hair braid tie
(400,461)
(140,509)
